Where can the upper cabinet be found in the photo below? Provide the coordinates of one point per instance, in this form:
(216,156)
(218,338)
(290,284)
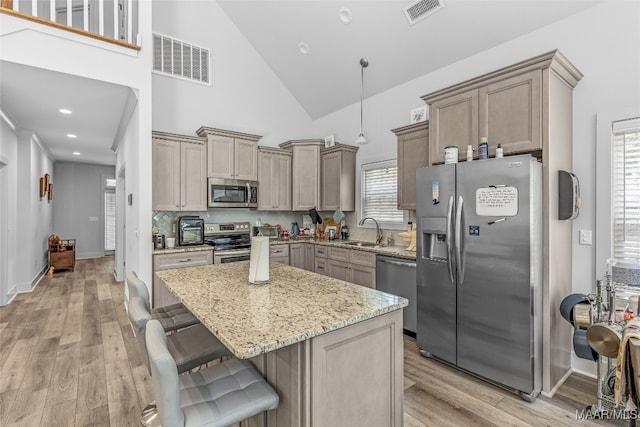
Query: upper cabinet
(413,153)
(274,179)
(338,183)
(179,172)
(305,172)
(232,155)
(506,106)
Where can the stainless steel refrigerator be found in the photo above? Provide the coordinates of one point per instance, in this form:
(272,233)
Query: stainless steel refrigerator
(479,275)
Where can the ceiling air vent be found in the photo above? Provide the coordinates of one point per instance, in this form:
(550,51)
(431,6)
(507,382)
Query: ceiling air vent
(180,59)
(420,9)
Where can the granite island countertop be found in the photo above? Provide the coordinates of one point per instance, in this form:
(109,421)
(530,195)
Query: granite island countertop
(295,306)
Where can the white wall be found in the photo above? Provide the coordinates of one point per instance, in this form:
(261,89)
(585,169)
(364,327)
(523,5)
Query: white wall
(9,157)
(245,95)
(78,205)
(603,42)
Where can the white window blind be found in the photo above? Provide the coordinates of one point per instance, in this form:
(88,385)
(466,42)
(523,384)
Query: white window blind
(380,192)
(626,189)
(109,220)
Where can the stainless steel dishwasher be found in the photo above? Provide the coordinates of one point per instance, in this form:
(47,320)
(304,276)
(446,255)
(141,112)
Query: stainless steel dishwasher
(398,276)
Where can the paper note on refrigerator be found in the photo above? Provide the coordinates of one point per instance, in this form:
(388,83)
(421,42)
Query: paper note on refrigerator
(497,201)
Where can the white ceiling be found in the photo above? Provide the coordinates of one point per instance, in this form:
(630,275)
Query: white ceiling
(323,81)
(328,77)
(34,96)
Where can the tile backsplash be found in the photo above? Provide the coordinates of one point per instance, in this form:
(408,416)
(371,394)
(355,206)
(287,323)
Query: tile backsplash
(164,221)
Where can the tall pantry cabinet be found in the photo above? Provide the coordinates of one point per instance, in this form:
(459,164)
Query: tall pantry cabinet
(527,108)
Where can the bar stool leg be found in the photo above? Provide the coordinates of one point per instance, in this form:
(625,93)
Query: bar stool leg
(150,416)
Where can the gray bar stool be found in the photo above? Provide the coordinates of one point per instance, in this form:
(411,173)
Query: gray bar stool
(171,317)
(218,396)
(190,348)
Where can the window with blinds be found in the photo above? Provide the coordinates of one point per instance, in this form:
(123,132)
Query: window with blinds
(180,59)
(626,189)
(380,194)
(109,220)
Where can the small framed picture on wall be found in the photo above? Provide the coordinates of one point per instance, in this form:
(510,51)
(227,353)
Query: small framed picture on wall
(418,114)
(329,141)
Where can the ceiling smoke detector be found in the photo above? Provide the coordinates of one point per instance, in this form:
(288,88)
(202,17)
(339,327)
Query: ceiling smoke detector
(420,9)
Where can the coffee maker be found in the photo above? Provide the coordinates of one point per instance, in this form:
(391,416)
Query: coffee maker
(344,232)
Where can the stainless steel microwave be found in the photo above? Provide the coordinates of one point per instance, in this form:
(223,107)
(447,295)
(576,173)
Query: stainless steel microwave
(232,193)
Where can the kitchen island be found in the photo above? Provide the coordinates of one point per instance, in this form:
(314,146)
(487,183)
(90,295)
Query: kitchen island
(331,349)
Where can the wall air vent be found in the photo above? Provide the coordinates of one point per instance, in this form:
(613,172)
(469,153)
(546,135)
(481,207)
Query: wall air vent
(179,59)
(420,9)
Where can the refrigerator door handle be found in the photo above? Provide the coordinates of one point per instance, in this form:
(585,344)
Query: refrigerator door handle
(450,265)
(458,240)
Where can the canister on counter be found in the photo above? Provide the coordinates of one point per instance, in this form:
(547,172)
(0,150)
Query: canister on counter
(483,148)
(451,154)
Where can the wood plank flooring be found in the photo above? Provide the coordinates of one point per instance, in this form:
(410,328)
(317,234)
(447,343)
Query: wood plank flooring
(68,358)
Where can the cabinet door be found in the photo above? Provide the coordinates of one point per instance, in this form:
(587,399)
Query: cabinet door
(246,160)
(281,173)
(296,255)
(305,177)
(221,157)
(309,257)
(338,270)
(363,275)
(265,181)
(413,153)
(511,113)
(193,186)
(166,175)
(453,121)
(330,188)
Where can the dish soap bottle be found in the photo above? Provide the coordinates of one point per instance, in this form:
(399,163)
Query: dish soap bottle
(499,151)
(469,153)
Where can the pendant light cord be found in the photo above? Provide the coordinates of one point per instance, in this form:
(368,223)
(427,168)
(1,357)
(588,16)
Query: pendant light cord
(363,63)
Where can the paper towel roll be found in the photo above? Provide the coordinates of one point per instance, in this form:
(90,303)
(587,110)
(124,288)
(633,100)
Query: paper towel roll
(259,260)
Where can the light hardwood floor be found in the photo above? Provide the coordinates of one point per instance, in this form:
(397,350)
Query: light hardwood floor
(68,357)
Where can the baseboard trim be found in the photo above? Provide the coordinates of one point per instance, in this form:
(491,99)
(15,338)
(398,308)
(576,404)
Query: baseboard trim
(558,385)
(20,288)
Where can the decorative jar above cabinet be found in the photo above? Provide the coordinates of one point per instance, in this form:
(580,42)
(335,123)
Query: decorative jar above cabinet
(232,155)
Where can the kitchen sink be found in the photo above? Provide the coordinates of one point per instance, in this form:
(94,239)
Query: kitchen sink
(362,244)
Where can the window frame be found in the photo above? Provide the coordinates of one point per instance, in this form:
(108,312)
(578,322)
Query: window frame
(387,225)
(604,184)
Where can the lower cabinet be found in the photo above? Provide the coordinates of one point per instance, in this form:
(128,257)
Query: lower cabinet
(352,265)
(297,255)
(309,257)
(279,253)
(161,295)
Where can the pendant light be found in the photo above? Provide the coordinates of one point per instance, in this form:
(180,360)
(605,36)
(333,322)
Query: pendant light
(363,64)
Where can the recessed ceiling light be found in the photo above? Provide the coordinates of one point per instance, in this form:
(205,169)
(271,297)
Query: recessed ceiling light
(345,15)
(71,135)
(303,47)
(65,111)
(75,153)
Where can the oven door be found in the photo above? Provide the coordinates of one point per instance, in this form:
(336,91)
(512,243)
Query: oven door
(223,257)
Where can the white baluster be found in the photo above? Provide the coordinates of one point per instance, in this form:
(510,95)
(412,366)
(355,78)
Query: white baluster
(129,20)
(85,15)
(70,13)
(16,6)
(101,17)
(34,8)
(115,19)
(52,10)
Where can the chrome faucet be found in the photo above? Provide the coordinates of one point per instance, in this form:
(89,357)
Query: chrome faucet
(378,231)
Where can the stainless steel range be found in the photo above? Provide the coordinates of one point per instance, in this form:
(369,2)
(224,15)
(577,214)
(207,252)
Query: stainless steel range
(231,241)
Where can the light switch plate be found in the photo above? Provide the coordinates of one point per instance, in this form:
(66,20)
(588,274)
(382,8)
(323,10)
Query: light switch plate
(586,237)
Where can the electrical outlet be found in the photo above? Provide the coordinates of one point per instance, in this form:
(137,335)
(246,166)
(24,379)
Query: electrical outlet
(585,237)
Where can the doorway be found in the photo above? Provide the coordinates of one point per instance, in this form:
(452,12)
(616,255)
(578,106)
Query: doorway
(120,224)
(4,232)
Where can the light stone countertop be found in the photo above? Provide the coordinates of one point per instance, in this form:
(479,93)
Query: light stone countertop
(254,319)
(393,251)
